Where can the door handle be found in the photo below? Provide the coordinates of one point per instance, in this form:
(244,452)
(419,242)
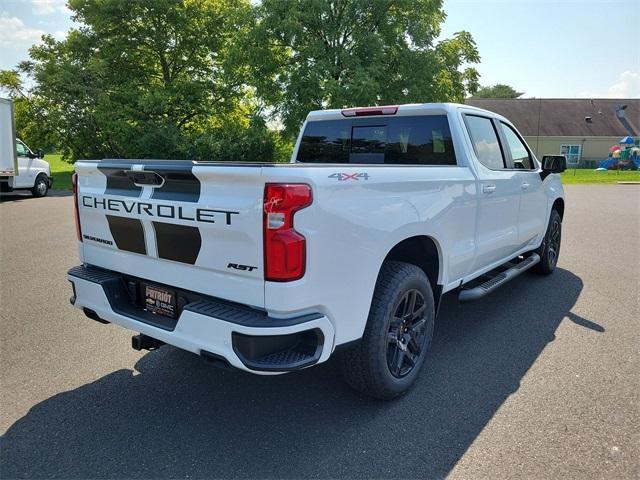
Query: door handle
(525,185)
(488,188)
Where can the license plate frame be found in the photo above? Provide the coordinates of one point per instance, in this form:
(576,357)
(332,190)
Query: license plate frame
(160,300)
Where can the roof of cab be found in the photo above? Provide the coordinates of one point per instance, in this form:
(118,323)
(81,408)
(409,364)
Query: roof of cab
(406,109)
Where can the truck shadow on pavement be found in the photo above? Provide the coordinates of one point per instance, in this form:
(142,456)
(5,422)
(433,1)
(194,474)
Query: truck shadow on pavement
(179,417)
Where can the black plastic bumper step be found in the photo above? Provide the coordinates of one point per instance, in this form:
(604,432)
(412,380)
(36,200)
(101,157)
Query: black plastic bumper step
(279,353)
(286,358)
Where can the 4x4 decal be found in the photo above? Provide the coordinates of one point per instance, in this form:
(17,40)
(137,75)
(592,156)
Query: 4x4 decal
(343,176)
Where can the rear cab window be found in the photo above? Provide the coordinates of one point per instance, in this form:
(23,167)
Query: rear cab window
(403,140)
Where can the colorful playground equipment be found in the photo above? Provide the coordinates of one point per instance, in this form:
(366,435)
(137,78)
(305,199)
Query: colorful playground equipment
(623,156)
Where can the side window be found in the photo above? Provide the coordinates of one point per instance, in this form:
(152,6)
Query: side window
(485,141)
(22,150)
(519,153)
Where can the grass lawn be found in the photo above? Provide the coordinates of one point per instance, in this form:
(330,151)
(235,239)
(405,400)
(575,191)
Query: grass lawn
(60,171)
(591,176)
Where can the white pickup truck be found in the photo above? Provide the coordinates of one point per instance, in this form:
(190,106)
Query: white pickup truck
(348,249)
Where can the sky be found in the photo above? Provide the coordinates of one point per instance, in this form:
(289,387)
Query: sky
(544,48)
(557,49)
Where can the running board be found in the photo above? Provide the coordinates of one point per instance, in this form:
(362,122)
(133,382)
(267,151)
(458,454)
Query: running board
(498,280)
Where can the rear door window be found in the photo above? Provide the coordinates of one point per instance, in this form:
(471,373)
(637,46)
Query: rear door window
(485,141)
(423,140)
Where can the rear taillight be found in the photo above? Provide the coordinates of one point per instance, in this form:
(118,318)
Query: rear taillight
(284,247)
(76,211)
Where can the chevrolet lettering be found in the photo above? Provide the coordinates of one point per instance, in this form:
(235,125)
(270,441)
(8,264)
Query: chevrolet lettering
(160,210)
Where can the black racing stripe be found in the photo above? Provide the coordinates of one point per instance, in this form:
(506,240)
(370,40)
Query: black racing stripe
(180,184)
(117,181)
(128,233)
(180,243)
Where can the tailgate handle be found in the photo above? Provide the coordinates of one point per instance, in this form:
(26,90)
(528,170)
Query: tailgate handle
(145,178)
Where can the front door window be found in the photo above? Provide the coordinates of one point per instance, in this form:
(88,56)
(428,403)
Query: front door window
(519,153)
(22,150)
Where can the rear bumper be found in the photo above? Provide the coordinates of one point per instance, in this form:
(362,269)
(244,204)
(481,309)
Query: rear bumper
(246,338)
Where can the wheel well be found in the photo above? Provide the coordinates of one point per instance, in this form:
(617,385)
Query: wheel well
(420,251)
(558,205)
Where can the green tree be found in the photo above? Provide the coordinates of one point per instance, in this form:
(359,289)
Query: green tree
(331,54)
(499,90)
(148,78)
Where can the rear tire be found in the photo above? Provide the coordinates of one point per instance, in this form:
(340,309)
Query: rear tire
(550,248)
(41,186)
(386,362)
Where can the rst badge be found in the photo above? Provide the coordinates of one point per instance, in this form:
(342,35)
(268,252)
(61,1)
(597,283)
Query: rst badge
(245,268)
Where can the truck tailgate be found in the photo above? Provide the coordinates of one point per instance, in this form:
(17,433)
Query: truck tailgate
(192,225)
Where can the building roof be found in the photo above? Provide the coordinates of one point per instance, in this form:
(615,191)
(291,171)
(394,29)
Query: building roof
(566,117)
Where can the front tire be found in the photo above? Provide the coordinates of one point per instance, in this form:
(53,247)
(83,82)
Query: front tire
(41,187)
(550,248)
(386,362)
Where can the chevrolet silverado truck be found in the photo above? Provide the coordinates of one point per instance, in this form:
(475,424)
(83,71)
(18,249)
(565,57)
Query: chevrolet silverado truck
(346,250)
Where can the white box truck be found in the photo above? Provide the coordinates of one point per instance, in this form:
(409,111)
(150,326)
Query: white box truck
(20,168)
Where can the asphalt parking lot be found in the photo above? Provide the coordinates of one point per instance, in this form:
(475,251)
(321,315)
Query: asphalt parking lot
(539,380)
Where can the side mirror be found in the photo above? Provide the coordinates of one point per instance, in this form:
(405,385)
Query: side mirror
(40,153)
(554,164)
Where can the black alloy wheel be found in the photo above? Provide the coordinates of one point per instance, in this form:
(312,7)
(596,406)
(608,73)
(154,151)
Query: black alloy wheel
(407,334)
(554,241)
(386,362)
(549,251)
